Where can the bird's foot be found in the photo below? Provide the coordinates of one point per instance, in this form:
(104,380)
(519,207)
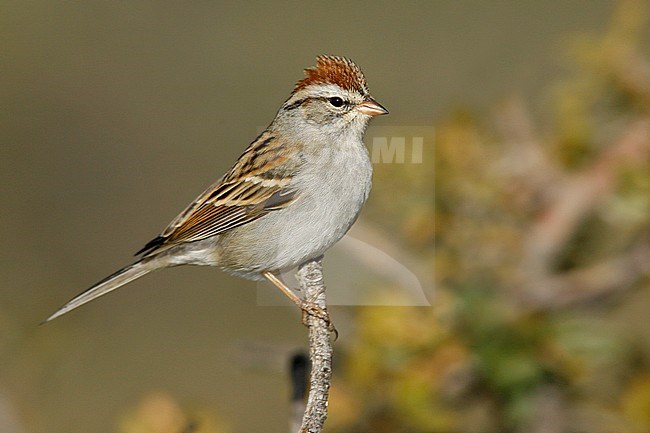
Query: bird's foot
(312,309)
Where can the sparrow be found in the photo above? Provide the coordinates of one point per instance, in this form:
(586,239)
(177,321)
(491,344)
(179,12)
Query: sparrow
(293,193)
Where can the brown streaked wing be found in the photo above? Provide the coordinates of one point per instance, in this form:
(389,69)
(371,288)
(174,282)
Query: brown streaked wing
(234,201)
(239,205)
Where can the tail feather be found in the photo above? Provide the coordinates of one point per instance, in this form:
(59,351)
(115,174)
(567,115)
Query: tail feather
(108,284)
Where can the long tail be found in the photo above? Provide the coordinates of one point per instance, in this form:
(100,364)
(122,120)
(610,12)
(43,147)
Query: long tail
(110,283)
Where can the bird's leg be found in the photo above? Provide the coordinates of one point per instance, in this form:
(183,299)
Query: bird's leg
(307,307)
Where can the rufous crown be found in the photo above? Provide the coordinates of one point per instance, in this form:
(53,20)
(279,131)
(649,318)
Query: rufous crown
(334,70)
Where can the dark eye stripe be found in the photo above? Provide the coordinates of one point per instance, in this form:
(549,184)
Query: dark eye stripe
(296,104)
(340,102)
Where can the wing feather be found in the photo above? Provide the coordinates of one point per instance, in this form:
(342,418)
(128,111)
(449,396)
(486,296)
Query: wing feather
(257,184)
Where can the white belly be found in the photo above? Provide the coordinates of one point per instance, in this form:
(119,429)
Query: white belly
(338,185)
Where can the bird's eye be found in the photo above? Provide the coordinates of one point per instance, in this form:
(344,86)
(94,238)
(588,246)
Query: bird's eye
(336,101)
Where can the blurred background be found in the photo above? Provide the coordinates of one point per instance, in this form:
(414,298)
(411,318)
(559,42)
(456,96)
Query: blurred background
(526,220)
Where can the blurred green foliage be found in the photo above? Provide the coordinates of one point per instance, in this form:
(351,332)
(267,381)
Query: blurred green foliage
(539,241)
(536,226)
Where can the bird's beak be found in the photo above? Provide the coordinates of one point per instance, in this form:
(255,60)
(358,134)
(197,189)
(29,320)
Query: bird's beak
(371,108)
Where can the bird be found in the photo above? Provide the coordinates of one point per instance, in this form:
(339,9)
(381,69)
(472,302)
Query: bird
(294,192)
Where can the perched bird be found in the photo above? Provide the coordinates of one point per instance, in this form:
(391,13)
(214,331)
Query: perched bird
(290,196)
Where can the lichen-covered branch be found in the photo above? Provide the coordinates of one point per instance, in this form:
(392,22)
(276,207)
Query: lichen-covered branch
(310,277)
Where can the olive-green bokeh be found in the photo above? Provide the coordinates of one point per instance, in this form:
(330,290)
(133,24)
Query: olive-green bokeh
(114,115)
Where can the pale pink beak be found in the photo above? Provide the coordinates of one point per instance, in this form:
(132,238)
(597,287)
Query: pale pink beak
(371,108)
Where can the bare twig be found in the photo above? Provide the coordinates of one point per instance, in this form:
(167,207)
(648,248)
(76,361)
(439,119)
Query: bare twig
(310,277)
(586,284)
(580,194)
